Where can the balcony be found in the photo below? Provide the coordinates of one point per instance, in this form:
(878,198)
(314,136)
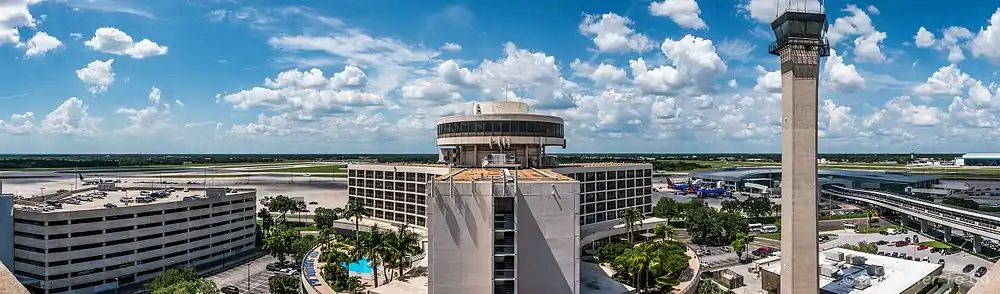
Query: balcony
(503,274)
(503,249)
(503,222)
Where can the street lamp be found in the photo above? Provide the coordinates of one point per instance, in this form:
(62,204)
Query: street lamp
(248,275)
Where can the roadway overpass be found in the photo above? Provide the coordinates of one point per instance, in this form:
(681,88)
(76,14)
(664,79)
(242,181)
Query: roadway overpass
(979,224)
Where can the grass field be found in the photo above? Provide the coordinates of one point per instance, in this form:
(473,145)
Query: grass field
(935,244)
(772,236)
(307,169)
(197,176)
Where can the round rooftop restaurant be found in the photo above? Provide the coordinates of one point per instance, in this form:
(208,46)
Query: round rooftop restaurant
(500,119)
(503,129)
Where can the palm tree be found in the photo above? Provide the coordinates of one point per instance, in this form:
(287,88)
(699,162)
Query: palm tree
(405,244)
(355,209)
(373,245)
(871,212)
(631,217)
(634,262)
(664,231)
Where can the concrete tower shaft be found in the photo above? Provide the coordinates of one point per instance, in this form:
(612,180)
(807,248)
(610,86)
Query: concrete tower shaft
(800,43)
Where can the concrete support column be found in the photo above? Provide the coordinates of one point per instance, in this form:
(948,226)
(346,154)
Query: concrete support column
(923,226)
(904,220)
(977,243)
(947,233)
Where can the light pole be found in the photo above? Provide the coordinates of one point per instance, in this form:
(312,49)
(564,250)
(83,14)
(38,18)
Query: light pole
(248,275)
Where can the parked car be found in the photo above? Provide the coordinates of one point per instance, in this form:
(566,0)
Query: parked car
(968,268)
(230,290)
(981,272)
(922,247)
(941,261)
(110,205)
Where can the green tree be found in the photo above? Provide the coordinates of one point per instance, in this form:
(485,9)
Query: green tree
(284,285)
(282,204)
(667,208)
(631,217)
(266,221)
(302,245)
(608,252)
(663,230)
(324,217)
(871,212)
(355,210)
(373,245)
(739,244)
(197,286)
(404,244)
(862,246)
(756,208)
(732,206)
(280,241)
(171,276)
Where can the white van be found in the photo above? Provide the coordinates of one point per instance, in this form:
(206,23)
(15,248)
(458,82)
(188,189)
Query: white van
(769,229)
(754,228)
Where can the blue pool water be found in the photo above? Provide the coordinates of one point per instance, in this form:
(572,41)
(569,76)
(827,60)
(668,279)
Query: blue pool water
(360,266)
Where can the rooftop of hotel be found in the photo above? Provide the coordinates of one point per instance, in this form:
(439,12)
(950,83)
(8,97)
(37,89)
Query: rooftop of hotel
(114,197)
(483,174)
(900,274)
(400,164)
(587,164)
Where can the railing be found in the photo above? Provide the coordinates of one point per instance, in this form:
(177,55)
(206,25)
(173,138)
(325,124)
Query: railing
(503,274)
(938,213)
(501,249)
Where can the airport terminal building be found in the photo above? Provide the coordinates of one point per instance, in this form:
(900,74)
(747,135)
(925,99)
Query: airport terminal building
(743,179)
(93,248)
(502,216)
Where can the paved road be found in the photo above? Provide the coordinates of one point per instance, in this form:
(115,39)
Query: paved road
(237,276)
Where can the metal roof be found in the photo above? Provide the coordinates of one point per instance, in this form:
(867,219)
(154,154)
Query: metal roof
(981,156)
(741,174)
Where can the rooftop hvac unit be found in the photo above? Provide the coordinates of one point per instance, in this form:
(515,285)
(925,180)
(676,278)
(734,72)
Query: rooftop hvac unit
(876,270)
(862,282)
(834,255)
(858,260)
(828,270)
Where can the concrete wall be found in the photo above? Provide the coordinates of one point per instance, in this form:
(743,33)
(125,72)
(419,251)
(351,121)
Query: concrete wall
(548,237)
(460,223)
(7,230)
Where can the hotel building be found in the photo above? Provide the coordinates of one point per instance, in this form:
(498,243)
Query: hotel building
(87,248)
(502,216)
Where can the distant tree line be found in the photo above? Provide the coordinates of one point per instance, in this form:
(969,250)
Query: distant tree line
(123,160)
(678,166)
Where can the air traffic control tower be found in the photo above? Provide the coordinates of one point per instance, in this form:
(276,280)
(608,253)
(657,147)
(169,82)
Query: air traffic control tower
(800,42)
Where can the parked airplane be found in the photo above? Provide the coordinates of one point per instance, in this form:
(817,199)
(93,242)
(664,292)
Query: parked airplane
(710,192)
(681,186)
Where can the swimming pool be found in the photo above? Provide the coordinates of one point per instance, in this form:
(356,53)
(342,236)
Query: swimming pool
(360,266)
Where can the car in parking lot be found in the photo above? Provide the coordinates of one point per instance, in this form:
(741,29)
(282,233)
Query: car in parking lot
(968,268)
(981,272)
(230,290)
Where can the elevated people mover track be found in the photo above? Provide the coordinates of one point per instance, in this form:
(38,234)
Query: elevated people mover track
(963,219)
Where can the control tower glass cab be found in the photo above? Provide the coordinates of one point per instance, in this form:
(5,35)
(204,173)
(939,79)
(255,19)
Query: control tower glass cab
(499,134)
(800,29)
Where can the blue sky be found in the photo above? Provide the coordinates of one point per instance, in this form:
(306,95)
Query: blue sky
(353,76)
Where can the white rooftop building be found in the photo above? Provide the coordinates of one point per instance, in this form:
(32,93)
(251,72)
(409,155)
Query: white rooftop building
(845,271)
